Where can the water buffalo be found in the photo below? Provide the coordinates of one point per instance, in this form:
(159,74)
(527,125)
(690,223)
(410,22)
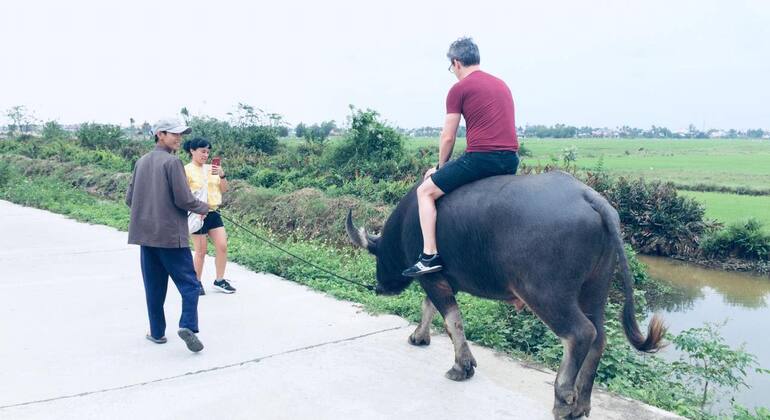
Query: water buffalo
(547,242)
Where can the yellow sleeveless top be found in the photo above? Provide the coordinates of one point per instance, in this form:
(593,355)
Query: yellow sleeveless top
(196,177)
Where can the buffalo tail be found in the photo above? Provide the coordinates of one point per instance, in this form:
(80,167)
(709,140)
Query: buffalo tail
(654,340)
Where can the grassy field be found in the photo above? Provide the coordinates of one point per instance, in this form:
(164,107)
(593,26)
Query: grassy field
(729,163)
(729,208)
(718,162)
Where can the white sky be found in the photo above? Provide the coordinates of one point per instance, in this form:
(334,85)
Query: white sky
(590,62)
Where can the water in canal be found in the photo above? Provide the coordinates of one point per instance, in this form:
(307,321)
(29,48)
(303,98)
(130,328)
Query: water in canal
(715,296)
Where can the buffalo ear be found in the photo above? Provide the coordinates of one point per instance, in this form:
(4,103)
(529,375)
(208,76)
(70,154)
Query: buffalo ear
(359,237)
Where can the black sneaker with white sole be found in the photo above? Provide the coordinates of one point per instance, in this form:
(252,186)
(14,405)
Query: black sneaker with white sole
(223,286)
(425,264)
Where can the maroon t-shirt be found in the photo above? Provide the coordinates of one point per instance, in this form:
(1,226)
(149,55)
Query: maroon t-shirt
(486,104)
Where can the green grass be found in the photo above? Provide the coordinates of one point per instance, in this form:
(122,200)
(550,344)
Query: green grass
(731,208)
(729,163)
(721,162)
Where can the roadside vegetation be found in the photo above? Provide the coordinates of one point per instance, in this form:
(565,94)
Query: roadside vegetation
(297,192)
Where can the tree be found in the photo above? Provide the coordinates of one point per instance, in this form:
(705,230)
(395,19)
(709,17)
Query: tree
(185,114)
(246,115)
(316,133)
(132,130)
(21,119)
(52,130)
(300,129)
(146,128)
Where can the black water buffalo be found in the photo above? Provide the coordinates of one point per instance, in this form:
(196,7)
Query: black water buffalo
(546,241)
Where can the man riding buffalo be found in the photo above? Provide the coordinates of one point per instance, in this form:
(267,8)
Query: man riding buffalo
(547,242)
(486,104)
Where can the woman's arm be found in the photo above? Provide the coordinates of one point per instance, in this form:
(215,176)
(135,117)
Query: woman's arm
(222,178)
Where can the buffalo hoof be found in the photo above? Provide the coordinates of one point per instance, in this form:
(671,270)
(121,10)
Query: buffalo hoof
(581,410)
(419,340)
(567,409)
(462,370)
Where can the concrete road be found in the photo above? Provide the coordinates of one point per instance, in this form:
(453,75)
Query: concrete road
(72,346)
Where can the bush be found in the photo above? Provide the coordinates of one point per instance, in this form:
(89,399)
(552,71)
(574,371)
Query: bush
(655,219)
(267,178)
(6,172)
(100,136)
(52,130)
(369,149)
(259,139)
(739,240)
(228,138)
(305,214)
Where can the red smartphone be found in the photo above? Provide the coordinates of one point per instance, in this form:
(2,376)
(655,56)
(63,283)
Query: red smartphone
(217,161)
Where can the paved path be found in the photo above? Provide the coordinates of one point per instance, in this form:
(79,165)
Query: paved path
(72,325)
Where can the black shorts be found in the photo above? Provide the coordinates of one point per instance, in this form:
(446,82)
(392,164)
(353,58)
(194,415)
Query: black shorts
(212,221)
(472,166)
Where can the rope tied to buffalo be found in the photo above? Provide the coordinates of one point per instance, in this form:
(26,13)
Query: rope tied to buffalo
(305,261)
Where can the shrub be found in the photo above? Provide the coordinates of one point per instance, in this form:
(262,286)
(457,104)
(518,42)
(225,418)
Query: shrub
(739,240)
(52,130)
(229,138)
(306,213)
(100,136)
(6,172)
(369,149)
(711,362)
(259,138)
(655,219)
(267,178)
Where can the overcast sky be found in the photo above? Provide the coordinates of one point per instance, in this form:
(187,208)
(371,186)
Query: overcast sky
(590,62)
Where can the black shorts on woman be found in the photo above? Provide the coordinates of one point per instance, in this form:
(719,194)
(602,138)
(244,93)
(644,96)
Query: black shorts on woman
(212,221)
(472,166)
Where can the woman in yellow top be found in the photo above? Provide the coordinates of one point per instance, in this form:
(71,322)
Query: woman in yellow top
(198,172)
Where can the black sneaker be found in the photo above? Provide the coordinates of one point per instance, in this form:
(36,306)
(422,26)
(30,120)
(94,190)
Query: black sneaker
(223,286)
(201,291)
(424,266)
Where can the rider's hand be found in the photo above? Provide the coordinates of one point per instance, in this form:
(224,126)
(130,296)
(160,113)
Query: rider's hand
(428,173)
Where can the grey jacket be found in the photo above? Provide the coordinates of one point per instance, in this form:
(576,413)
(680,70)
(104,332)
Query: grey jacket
(159,198)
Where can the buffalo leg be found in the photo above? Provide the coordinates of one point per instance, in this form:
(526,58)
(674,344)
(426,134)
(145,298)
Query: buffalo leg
(593,298)
(585,380)
(577,337)
(441,294)
(421,335)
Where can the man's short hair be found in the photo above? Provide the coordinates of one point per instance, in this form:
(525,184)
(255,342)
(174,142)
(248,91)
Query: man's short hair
(465,51)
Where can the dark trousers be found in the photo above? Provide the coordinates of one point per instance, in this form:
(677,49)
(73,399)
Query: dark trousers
(157,265)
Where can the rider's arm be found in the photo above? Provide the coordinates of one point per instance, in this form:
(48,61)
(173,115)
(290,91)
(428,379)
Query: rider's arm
(448,136)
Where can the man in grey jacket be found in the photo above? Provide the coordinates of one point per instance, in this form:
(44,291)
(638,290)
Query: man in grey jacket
(160,198)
